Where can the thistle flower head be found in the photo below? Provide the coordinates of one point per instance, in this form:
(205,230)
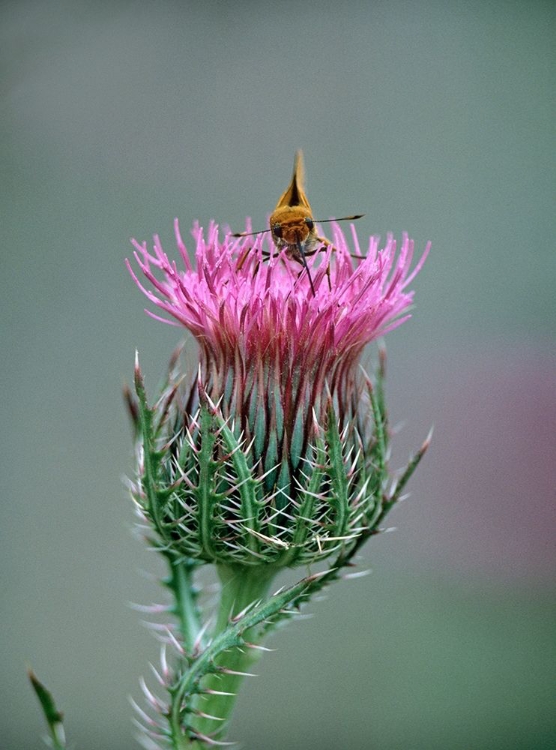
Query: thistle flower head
(279,412)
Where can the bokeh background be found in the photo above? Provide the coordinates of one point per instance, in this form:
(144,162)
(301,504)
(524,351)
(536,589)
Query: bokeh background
(434,117)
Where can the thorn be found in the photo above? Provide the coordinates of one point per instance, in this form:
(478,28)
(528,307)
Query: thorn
(225,670)
(146,718)
(157,675)
(427,442)
(275,541)
(149,609)
(210,691)
(155,702)
(357,574)
(244,611)
(316,576)
(138,377)
(258,647)
(149,734)
(176,644)
(200,635)
(203,715)
(163,661)
(146,742)
(157,626)
(209,741)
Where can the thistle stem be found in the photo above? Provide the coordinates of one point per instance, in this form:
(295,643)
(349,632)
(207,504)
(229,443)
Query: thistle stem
(182,585)
(241,586)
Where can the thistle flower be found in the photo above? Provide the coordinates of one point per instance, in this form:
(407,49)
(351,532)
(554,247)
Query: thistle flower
(272,455)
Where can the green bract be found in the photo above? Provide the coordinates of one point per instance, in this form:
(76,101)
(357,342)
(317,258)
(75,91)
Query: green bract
(210,494)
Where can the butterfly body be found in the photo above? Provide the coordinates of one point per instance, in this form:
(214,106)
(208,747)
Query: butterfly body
(291,223)
(292,226)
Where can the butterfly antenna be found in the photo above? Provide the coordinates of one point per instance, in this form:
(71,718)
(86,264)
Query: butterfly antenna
(249,234)
(342,218)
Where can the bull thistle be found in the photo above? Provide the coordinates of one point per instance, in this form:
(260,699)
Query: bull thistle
(272,455)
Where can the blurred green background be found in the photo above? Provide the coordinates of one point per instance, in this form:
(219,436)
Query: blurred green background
(432,117)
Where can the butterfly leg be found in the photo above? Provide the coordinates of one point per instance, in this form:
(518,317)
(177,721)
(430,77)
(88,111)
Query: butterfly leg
(243,258)
(323,247)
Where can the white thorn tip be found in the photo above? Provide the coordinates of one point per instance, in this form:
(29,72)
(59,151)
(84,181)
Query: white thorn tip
(209,741)
(146,718)
(211,691)
(203,715)
(225,670)
(357,574)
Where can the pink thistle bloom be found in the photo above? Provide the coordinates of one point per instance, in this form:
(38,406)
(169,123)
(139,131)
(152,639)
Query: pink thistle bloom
(245,311)
(274,357)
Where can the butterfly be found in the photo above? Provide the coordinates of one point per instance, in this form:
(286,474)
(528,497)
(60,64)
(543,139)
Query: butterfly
(291,224)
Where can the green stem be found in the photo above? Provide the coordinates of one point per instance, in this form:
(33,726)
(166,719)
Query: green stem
(182,585)
(241,586)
